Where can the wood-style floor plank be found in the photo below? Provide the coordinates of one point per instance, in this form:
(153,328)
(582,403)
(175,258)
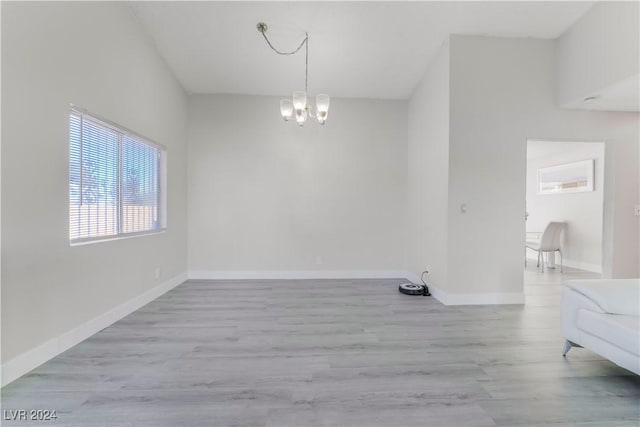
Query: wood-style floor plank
(330,353)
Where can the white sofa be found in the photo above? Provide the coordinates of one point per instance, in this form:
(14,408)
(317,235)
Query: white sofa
(604,317)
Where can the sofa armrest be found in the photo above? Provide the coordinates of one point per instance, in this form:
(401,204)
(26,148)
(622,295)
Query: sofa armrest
(572,302)
(613,296)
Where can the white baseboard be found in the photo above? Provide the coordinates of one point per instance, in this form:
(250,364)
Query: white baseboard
(479,298)
(485,298)
(594,268)
(20,365)
(295,274)
(413,278)
(489,298)
(439,294)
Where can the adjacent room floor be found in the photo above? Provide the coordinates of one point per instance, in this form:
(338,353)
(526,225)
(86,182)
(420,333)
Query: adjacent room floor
(330,353)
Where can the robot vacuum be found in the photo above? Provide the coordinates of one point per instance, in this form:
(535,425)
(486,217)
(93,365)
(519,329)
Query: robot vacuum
(411,289)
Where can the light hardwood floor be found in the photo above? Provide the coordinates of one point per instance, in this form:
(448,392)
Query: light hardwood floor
(331,353)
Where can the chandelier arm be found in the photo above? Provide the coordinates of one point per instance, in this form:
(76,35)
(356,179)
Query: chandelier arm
(310,112)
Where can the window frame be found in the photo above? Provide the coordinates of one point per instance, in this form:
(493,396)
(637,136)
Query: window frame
(122,132)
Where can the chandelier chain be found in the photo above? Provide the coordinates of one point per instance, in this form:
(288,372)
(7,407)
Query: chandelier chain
(306,63)
(304,43)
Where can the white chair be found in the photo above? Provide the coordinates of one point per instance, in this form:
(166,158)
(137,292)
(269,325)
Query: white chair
(551,241)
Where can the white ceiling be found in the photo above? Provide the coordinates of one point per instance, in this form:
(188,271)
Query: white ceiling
(620,96)
(356,49)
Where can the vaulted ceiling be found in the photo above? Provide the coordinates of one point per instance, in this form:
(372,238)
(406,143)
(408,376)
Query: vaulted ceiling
(356,49)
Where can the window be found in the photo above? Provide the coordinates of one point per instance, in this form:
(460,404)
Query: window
(114,181)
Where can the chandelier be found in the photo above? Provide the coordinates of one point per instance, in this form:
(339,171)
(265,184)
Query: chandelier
(298,104)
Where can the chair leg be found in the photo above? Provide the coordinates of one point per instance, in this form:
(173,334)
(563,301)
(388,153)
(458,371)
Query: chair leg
(542,261)
(561,271)
(538,263)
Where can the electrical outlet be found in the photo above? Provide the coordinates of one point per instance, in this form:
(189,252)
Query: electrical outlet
(318,260)
(157,272)
(636,211)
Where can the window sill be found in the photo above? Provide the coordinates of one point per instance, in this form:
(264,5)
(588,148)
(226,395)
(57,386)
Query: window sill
(83,242)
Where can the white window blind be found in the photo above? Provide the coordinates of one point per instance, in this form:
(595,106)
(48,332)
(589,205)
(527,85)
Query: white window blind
(114,180)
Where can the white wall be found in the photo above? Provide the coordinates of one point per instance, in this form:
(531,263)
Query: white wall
(502,95)
(428,172)
(583,212)
(265,195)
(601,49)
(94,55)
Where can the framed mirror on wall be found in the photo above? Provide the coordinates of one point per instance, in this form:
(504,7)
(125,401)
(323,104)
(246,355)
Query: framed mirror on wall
(575,177)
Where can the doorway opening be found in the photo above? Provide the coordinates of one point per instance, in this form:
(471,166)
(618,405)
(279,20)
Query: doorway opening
(564,190)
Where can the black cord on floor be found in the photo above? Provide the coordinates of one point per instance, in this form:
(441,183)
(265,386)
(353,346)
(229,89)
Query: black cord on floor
(425,290)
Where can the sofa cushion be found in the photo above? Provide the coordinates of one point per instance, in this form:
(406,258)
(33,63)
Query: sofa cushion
(623,331)
(615,296)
